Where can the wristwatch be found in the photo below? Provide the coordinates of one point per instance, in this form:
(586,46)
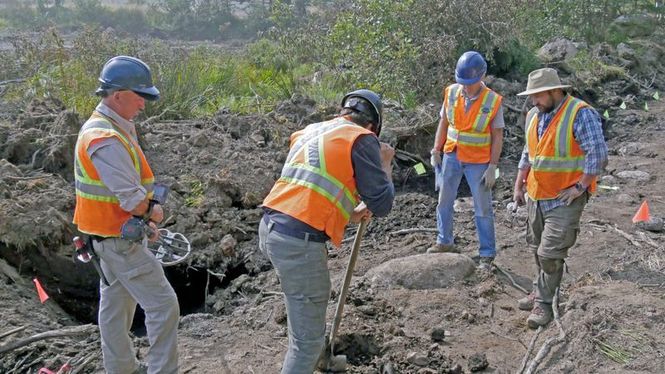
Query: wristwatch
(579,187)
(148,213)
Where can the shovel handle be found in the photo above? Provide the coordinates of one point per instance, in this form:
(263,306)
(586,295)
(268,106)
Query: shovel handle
(347,281)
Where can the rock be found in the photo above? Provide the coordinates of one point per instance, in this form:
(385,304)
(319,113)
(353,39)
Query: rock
(633,26)
(426,371)
(199,140)
(368,310)
(608,180)
(624,51)
(456,369)
(630,149)
(654,224)
(625,198)
(464,204)
(636,175)
(417,359)
(478,362)
(280,314)
(559,49)
(438,334)
(469,317)
(421,272)
(227,245)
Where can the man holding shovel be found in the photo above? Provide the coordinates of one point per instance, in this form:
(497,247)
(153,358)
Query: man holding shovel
(331,167)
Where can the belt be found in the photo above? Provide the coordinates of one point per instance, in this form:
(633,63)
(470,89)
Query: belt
(286,230)
(99,239)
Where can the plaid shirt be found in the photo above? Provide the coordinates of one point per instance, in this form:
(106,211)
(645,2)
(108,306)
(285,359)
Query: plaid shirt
(588,132)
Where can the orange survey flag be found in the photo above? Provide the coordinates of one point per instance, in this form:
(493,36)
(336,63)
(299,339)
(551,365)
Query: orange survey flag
(40,291)
(642,213)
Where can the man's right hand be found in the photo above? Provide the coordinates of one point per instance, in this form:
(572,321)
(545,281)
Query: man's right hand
(360,213)
(435,159)
(387,154)
(518,195)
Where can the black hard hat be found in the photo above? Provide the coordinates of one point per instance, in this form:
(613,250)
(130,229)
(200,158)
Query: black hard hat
(127,73)
(358,100)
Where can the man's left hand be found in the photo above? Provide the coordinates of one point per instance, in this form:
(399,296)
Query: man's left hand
(153,232)
(360,213)
(490,176)
(569,194)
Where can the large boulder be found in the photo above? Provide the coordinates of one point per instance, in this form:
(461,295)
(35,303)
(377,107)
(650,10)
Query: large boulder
(421,272)
(559,49)
(633,26)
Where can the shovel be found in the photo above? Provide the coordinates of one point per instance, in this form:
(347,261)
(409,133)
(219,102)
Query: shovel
(338,363)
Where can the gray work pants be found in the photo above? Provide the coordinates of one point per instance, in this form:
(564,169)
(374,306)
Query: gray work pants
(302,268)
(551,234)
(135,275)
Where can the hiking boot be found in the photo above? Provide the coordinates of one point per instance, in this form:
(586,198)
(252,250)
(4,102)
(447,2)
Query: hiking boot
(485,263)
(541,315)
(526,303)
(442,248)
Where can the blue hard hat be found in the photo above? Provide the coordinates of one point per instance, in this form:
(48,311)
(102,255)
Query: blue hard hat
(127,73)
(368,102)
(471,67)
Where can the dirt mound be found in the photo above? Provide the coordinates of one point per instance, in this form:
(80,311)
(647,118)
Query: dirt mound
(220,169)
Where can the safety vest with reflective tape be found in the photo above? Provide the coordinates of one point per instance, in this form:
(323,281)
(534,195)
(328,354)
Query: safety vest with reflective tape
(469,131)
(98,210)
(317,185)
(557,161)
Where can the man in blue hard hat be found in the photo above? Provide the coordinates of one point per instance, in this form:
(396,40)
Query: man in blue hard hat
(113,183)
(468,143)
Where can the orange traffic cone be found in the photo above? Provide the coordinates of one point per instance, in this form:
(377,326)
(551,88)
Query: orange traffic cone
(40,291)
(642,214)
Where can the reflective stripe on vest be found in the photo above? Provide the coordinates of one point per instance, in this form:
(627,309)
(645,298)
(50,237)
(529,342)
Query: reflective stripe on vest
(562,161)
(313,173)
(486,108)
(453,94)
(472,139)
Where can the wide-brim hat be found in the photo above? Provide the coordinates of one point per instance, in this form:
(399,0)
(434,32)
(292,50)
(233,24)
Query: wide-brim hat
(540,80)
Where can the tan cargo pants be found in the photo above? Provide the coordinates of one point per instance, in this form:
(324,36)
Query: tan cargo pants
(550,234)
(135,275)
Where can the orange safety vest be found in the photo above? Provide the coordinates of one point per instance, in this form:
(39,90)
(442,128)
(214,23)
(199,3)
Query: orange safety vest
(98,210)
(317,185)
(557,161)
(470,132)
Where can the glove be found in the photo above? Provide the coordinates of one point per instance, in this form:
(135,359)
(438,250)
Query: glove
(490,176)
(435,159)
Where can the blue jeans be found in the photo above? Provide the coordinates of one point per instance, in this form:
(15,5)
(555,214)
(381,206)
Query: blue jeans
(451,175)
(302,268)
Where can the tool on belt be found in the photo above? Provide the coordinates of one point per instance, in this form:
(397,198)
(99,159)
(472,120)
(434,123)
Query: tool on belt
(85,253)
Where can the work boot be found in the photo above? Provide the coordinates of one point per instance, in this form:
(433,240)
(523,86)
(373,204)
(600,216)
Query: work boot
(485,263)
(541,315)
(526,303)
(442,248)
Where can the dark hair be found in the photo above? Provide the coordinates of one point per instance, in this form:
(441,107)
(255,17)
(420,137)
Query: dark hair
(359,118)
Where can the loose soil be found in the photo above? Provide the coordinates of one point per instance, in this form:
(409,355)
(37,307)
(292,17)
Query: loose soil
(612,300)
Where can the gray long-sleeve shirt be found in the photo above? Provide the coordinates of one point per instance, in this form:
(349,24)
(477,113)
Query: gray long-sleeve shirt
(374,187)
(114,164)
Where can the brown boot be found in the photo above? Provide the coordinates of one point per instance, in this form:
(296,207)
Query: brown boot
(541,315)
(526,303)
(442,248)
